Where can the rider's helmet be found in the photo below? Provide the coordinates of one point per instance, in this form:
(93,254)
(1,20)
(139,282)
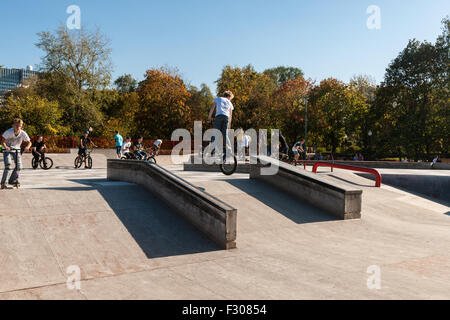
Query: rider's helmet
(86,132)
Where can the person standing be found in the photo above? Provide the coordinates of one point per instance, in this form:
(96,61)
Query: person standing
(119,142)
(12,140)
(297,149)
(224,115)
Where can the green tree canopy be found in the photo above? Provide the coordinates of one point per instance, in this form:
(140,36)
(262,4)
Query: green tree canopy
(283,74)
(200,102)
(414,98)
(76,64)
(126,83)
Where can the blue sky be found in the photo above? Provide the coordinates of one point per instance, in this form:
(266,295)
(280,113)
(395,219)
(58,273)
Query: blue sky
(325,38)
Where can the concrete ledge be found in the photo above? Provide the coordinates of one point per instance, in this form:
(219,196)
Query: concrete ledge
(339,200)
(204,167)
(214,218)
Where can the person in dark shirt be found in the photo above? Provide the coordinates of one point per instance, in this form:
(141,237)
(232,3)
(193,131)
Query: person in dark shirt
(37,150)
(84,142)
(139,148)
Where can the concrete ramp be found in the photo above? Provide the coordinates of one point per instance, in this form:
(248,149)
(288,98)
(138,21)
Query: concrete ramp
(213,217)
(63,218)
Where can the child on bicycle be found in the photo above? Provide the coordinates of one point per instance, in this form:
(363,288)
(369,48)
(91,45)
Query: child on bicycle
(156,147)
(125,150)
(298,150)
(38,151)
(84,142)
(139,149)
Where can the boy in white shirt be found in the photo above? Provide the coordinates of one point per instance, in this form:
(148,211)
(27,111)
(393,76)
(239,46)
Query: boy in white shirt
(156,146)
(126,146)
(224,115)
(11,142)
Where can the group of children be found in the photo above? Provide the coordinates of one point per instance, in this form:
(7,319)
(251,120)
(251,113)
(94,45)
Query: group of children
(134,151)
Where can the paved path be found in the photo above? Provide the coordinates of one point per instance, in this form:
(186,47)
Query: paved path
(129,245)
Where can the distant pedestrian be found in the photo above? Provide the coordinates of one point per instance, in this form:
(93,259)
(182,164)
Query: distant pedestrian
(437,160)
(298,150)
(119,142)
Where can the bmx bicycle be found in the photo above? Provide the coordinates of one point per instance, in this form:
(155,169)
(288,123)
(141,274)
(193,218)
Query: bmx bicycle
(84,158)
(148,157)
(228,164)
(45,163)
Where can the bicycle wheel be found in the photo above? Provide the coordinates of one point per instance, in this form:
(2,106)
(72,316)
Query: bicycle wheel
(229,166)
(89,162)
(151,159)
(47,165)
(33,163)
(78,162)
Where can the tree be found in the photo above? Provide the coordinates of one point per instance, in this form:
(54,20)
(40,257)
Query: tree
(39,115)
(200,102)
(122,116)
(280,75)
(163,98)
(81,56)
(288,108)
(360,121)
(252,91)
(415,97)
(75,65)
(332,102)
(125,83)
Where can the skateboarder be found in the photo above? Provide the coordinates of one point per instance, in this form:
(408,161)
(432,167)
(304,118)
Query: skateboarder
(11,142)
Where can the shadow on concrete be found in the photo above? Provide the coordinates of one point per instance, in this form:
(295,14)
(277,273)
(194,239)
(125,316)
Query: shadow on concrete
(285,204)
(158,230)
(447,214)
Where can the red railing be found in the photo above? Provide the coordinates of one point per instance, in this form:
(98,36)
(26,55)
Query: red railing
(352,168)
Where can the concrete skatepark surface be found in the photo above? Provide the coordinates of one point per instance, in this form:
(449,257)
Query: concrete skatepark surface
(129,245)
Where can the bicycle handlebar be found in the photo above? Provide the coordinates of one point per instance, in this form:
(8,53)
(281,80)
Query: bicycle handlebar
(13,149)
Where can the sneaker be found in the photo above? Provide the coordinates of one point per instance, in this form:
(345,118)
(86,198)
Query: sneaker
(4,187)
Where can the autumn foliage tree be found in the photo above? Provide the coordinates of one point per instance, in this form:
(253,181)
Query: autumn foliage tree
(288,107)
(252,92)
(332,103)
(39,115)
(163,108)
